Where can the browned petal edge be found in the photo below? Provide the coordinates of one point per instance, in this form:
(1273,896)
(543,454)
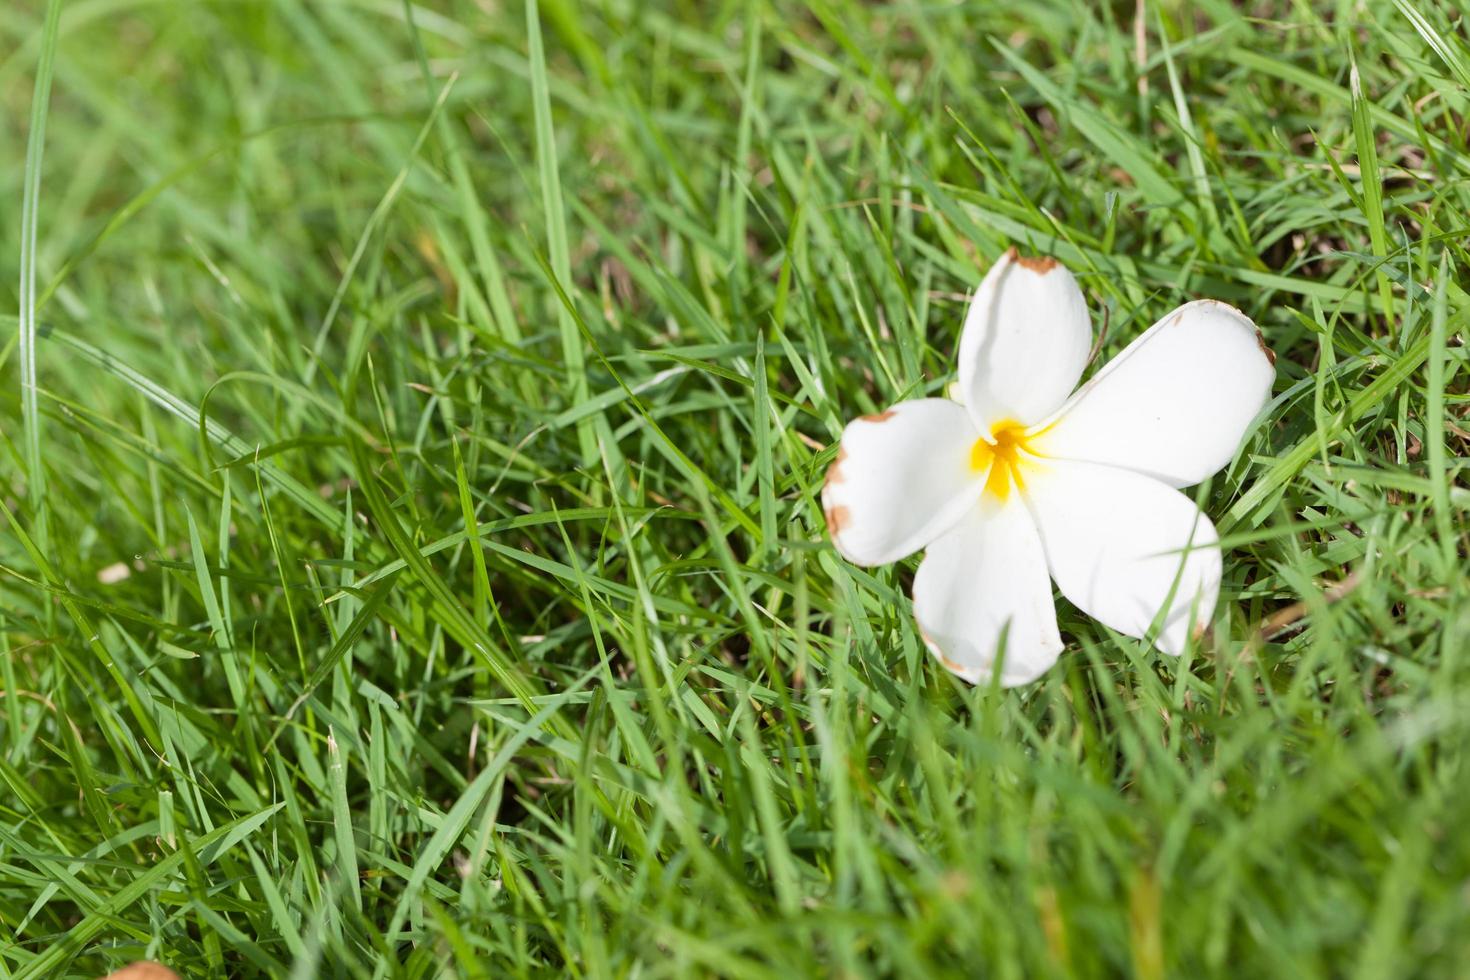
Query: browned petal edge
(1207,301)
(924,635)
(1261,342)
(838,518)
(1039,264)
(834,472)
(882,416)
(949,664)
(143,970)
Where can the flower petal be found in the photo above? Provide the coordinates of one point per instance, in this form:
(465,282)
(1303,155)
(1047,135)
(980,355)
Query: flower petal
(1025,341)
(1115,543)
(1175,403)
(981,589)
(901,478)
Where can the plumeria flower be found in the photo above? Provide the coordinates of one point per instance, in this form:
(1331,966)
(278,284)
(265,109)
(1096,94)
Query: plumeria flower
(1013,483)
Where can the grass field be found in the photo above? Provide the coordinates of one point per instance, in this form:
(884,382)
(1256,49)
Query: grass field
(412,563)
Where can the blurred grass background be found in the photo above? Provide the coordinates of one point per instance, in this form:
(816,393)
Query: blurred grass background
(412,565)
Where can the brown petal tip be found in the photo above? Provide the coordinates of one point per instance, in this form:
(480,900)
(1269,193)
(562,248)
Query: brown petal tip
(882,416)
(838,518)
(950,665)
(143,971)
(1261,342)
(834,472)
(1039,264)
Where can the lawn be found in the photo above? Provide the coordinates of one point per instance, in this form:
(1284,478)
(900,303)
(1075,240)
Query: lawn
(414,420)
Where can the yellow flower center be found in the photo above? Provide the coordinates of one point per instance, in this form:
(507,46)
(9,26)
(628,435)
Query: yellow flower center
(1004,454)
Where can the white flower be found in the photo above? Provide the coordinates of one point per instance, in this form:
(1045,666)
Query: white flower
(1015,481)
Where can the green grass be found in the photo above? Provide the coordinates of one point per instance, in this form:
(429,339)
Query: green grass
(453,384)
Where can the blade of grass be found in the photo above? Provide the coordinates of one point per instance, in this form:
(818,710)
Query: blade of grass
(30,217)
(554,214)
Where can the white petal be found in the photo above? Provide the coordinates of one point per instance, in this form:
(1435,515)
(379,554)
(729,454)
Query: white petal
(983,581)
(1175,403)
(1115,543)
(1025,341)
(901,478)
